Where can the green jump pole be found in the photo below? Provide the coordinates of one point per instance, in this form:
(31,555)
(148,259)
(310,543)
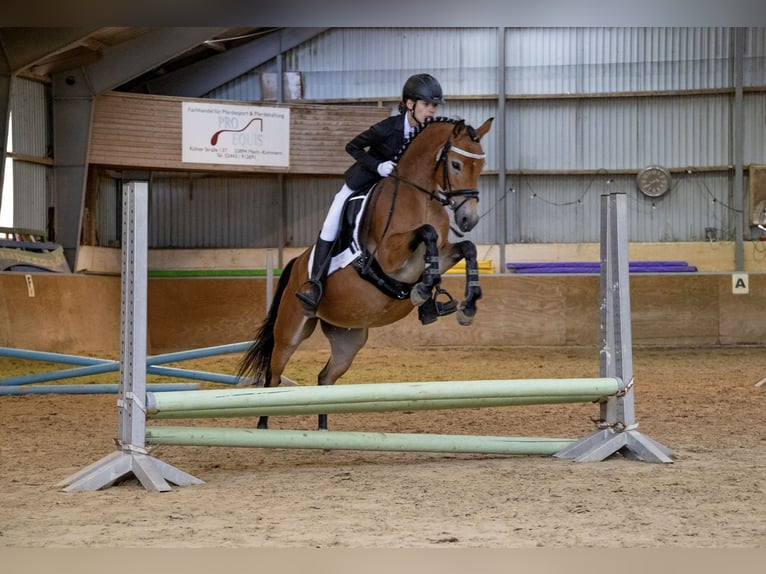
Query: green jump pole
(367,407)
(260,397)
(339,440)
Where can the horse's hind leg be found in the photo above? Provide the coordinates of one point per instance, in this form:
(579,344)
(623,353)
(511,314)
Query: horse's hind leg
(290,331)
(344,345)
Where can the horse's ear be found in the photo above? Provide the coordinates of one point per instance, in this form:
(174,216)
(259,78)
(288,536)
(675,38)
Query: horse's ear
(482,130)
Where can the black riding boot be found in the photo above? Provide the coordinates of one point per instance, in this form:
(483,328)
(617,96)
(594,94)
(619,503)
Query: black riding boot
(311,291)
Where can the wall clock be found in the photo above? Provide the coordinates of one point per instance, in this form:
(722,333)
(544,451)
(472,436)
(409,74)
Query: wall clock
(653,180)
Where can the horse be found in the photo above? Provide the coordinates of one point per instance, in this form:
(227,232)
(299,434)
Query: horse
(404,244)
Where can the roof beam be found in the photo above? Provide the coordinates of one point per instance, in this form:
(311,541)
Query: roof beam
(199,78)
(24,47)
(128,60)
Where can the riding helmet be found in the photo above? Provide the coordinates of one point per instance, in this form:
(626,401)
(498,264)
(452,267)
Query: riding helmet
(422,87)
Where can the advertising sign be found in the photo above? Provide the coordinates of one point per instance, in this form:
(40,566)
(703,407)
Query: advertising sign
(235,134)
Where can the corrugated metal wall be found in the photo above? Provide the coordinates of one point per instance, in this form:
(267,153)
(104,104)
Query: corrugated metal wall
(375,62)
(209,212)
(305,197)
(583,106)
(613,60)
(618,133)
(32,187)
(189,211)
(109,216)
(755,134)
(565,209)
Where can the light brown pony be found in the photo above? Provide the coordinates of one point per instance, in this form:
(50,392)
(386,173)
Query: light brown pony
(404,231)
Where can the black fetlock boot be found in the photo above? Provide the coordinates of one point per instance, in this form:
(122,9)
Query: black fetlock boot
(311,291)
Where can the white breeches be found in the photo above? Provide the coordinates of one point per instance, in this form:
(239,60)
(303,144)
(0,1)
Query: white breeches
(331,223)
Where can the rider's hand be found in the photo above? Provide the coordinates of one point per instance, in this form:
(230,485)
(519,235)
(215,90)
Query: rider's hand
(385,168)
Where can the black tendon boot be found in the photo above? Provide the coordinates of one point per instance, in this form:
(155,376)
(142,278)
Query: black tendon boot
(311,291)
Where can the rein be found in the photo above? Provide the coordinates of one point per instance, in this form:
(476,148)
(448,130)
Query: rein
(446,198)
(366,267)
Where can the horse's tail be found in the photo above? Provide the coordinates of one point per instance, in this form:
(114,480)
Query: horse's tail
(257,360)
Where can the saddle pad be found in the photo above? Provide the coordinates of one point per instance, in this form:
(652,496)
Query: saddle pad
(353,250)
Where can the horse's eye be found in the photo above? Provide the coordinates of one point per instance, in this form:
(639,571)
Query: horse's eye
(456,165)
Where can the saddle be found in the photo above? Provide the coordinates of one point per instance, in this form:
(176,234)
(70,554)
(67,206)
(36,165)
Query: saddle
(349,250)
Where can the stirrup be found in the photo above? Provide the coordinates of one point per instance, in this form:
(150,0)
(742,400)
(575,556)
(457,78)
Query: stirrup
(432,309)
(446,307)
(427,312)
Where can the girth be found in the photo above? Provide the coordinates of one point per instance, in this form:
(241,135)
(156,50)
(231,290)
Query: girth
(370,270)
(365,264)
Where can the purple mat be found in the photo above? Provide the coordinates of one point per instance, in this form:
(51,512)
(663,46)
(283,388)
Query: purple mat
(595,267)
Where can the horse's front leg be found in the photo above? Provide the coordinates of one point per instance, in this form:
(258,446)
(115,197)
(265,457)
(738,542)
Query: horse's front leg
(467,309)
(427,235)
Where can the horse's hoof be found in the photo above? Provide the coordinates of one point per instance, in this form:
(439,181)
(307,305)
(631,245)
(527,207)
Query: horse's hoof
(284,381)
(463,318)
(250,382)
(419,294)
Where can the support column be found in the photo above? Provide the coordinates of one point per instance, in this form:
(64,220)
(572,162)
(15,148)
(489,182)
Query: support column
(502,240)
(738,197)
(72,108)
(131,457)
(617,427)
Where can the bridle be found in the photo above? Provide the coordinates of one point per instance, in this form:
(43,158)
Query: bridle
(449,197)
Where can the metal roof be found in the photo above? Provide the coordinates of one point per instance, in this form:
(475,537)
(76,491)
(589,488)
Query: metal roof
(170,61)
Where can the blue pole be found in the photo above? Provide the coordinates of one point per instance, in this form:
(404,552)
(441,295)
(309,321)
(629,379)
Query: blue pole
(198,353)
(194,375)
(95,366)
(94,369)
(52,357)
(92,389)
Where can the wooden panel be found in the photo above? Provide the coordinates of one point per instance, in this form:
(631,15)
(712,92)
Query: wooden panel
(743,317)
(707,256)
(674,310)
(81,313)
(68,313)
(144,132)
(529,309)
(203,312)
(582,314)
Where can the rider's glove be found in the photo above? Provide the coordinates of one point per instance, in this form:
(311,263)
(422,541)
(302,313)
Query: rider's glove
(385,168)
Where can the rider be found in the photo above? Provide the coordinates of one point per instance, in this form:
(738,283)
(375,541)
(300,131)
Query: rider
(373,150)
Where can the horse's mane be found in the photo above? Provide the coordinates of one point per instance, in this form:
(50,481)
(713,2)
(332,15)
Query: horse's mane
(457,122)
